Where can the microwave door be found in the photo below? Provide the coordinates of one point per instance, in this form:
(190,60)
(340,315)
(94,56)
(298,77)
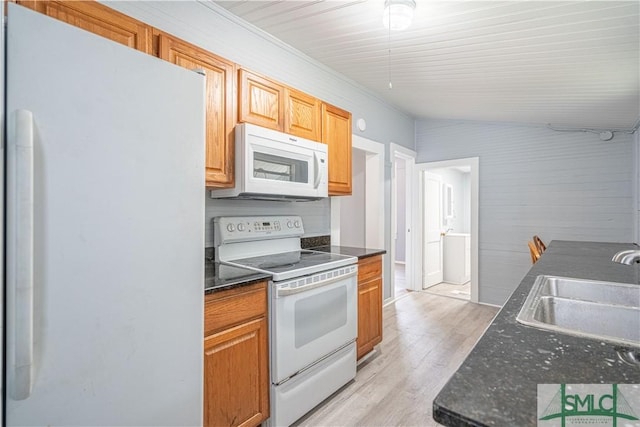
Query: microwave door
(275,171)
(278,168)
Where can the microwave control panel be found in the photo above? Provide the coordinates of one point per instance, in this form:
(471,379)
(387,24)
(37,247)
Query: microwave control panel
(231,229)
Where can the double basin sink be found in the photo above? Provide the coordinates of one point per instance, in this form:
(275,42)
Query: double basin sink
(605,311)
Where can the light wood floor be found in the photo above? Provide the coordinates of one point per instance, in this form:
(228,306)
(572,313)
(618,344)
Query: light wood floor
(400,281)
(450,290)
(425,338)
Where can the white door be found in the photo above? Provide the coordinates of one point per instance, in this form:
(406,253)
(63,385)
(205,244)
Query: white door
(109,329)
(432,250)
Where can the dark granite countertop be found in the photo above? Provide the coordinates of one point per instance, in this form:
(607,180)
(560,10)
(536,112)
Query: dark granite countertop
(350,251)
(497,384)
(218,277)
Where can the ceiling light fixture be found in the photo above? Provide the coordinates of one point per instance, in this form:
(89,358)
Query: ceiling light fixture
(398,14)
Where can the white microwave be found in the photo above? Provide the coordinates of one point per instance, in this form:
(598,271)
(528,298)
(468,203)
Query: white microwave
(271,165)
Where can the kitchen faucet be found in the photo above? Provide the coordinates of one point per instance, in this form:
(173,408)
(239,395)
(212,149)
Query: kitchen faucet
(628,257)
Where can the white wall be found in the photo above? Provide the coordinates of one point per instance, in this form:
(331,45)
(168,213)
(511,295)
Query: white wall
(461,221)
(559,185)
(352,208)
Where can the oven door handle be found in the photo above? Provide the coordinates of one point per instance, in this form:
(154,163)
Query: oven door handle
(283,292)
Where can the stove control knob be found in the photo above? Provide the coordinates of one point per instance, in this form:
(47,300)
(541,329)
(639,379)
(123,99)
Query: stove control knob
(289,224)
(240,226)
(231,228)
(297,224)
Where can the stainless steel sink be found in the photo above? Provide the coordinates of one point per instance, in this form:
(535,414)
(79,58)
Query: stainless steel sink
(590,290)
(606,311)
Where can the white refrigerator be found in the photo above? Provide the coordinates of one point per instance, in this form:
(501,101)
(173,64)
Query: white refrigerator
(104,210)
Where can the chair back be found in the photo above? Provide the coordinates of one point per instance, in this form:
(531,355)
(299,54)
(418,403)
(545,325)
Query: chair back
(540,246)
(535,254)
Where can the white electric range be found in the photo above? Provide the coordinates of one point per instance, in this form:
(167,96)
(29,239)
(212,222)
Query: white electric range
(312,309)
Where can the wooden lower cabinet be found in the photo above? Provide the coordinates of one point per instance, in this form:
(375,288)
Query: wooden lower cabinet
(236,357)
(369,304)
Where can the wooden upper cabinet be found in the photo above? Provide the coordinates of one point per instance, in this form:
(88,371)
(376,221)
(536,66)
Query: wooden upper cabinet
(336,133)
(98,19)
(261,101)
(303,115)
(220,105)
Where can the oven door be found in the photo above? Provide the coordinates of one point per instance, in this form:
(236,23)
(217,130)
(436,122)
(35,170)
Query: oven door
(274,165)
(311,317)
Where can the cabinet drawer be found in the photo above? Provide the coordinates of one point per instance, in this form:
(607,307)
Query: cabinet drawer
(369,268)
(228,308)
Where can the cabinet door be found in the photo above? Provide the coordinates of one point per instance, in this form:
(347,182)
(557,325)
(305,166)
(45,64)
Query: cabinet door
(220,107)
(236,383)
(336,133)
(261,101)
(369,316)
(303,115)
(98,19)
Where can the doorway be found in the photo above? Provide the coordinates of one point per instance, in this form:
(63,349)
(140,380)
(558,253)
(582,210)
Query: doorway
(449,219)
(402,214)
(399,230)
(358,220)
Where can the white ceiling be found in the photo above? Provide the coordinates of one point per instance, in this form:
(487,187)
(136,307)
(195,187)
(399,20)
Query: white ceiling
(572,64)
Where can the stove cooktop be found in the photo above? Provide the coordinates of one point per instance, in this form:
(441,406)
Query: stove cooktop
(287,265)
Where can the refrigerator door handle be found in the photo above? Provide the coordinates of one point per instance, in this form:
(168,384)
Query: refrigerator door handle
(20,254)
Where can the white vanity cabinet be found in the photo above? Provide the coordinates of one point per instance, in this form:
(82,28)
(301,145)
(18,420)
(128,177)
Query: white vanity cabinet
(457,258)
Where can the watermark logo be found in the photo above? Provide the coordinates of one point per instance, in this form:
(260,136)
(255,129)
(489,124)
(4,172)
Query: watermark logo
(591,405)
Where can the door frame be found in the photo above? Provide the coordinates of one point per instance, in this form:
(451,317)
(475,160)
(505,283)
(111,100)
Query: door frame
(398,152)
(474,177)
